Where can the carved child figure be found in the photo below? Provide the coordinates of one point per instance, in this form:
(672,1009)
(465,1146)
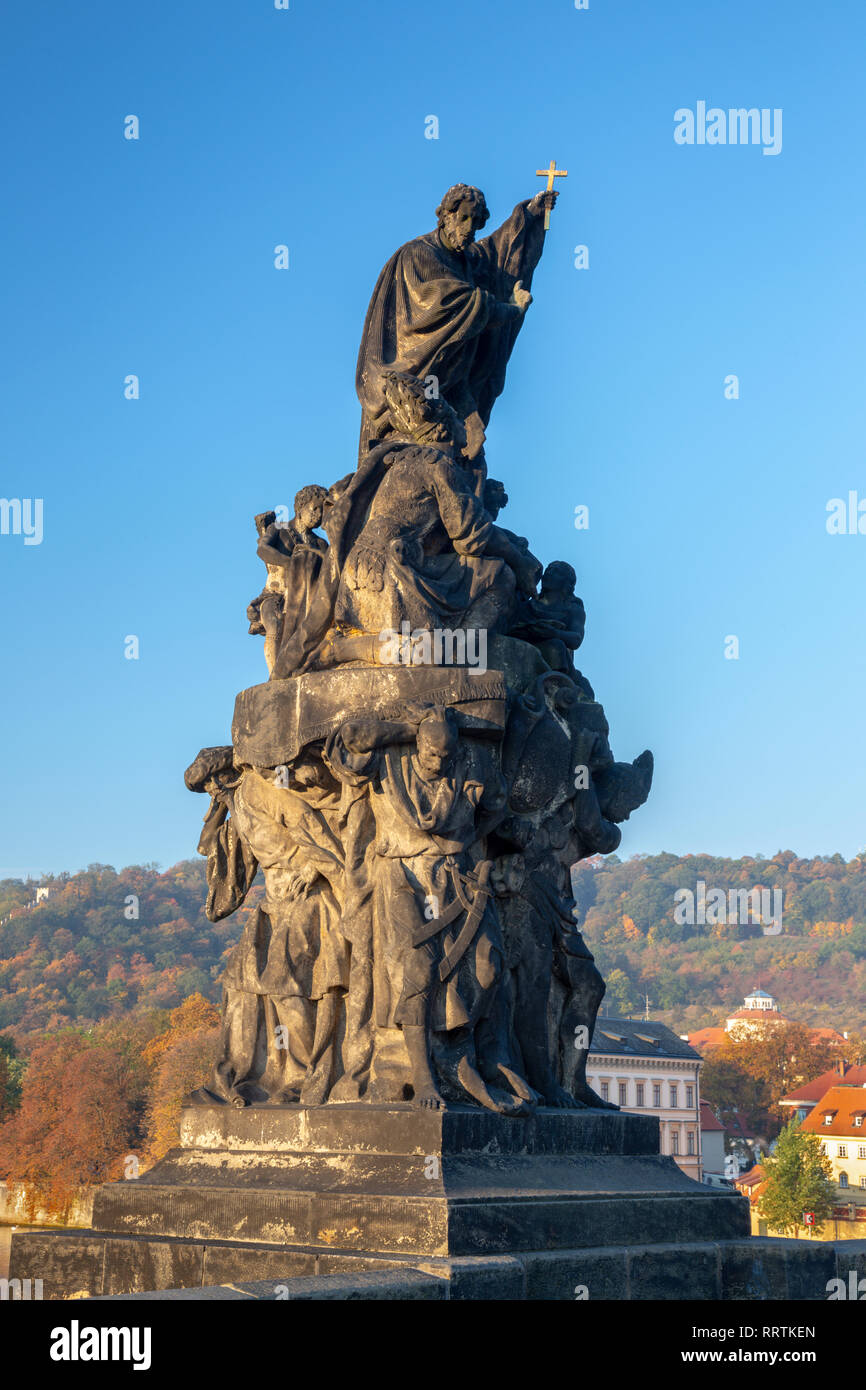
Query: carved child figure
(555,620)
(276,546)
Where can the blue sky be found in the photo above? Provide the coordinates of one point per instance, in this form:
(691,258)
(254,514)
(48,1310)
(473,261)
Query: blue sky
(307,127)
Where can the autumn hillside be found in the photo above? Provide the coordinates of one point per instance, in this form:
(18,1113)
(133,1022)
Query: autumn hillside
(695,975)
(106,943)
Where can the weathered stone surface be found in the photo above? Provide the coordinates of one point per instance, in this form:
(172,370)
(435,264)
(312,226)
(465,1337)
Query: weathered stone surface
(401,1130)
(273,722)
(809,1265)
(272,1191)
(756,1269)
(71,1264)
(676,1273)
(577,1275)
(135,1266)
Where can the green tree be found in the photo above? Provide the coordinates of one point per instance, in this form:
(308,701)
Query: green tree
(798,1177)
(12,1068)
(619,996)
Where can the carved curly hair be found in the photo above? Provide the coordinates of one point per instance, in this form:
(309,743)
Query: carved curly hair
(415,413)
(464,192)
(312,493)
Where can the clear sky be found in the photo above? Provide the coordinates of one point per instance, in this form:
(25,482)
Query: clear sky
(306,127)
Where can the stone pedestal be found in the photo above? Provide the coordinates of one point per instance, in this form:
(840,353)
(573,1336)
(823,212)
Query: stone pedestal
(500,1207)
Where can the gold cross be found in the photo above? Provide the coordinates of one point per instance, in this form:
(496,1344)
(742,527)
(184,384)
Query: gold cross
(550,174)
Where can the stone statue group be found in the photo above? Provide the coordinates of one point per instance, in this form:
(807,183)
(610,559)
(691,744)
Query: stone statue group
(415,812)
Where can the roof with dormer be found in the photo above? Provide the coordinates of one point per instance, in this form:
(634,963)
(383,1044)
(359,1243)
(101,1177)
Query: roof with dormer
(631,1037)
(813,1091)
(837,1113)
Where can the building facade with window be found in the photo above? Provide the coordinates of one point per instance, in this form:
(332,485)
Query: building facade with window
(803,1101)
(839,1119)
(646,1069)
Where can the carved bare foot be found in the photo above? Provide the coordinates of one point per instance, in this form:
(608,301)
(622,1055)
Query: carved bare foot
(284,1097)
(488,1096)
(561,1099)
(315,1088)
(520,1087)
(427,1098)
(346,1091)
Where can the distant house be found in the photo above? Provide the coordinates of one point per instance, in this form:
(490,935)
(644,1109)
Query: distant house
(839,1117)
(759,1008)
(751,1183)
(712,1142)
(803,1100)
(645,1068)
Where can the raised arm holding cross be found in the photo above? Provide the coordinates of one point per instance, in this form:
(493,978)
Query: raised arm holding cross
(550,174)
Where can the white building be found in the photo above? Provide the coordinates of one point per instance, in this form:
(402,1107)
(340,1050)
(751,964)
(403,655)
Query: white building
(645,1068)
(759,1007)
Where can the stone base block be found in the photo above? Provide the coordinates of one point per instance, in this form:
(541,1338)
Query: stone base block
(484,1201)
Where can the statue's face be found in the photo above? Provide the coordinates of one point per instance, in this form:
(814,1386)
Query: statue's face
(556,582)
(494,500)
(436,746)
(457,228)
(311,515)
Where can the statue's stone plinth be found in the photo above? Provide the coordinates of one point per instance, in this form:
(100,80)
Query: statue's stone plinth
(272,1192)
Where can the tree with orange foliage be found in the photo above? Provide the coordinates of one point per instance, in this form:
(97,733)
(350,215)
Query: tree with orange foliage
(752,1070)
(80,1115)
(632,932)
(181,1059)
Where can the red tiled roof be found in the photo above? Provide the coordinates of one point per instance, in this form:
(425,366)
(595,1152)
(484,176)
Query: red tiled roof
(829,1034)
(814,1090)
(708,1119)
(706,1038)
(749,1179)
(843,1102)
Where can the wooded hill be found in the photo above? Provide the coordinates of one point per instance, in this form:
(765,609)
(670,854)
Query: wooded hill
(106,943)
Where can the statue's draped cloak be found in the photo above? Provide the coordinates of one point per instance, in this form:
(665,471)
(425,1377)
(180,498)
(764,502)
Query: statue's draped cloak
(440,313)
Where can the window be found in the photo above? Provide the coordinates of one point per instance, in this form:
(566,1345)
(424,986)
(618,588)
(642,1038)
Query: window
(674,1101)
(690,1142)
(843,1179)
(843,1151)
(863,1182)
(675,1142)
(861,1152)
(657,1096)
(858,1121)
(605,1090)
(828,1119)
(639,1101)
(690,1097)
(623,1093)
